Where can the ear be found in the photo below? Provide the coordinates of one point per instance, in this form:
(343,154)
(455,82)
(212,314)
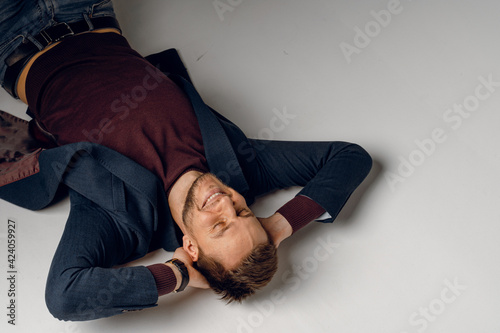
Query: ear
(190,246)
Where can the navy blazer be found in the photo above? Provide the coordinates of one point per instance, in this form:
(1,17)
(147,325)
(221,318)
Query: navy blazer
(104,184)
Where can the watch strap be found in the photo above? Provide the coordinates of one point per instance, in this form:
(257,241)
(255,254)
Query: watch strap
(184,272)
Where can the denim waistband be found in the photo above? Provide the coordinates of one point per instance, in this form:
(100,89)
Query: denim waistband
(24,19)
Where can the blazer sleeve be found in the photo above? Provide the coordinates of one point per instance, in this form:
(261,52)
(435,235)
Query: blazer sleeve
(329,172)
(83,283)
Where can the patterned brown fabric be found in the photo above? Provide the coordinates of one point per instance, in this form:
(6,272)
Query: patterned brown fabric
(18,150)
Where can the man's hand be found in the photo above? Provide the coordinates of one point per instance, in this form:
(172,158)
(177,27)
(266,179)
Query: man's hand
(196,280)
(277,227)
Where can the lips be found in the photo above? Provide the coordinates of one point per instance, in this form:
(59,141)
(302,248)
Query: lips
(211,196)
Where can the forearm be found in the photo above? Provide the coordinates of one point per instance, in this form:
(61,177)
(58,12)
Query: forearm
(167,278)
(300,211)
(337,179)
(90,293)
(87,294)
(291,217)
(328,172)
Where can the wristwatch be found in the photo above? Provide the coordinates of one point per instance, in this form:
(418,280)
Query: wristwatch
(184,272)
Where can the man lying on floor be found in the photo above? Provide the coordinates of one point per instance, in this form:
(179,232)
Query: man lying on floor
(147,165)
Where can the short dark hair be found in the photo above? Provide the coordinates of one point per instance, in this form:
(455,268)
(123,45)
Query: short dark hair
(253,273)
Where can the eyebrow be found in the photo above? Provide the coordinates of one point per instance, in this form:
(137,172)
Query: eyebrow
(248,214)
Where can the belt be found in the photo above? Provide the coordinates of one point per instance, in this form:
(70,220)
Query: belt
(19,57)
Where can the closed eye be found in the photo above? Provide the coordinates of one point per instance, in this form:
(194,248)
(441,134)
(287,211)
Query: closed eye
(220,228)
(217,225)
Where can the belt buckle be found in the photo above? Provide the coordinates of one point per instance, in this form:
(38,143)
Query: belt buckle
(57,32)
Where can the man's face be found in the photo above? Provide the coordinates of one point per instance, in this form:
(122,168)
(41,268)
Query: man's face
(219,221)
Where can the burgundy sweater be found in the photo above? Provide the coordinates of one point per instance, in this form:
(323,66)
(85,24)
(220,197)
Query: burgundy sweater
(95,87)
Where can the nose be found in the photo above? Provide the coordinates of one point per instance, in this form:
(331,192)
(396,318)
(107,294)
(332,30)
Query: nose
(227,205)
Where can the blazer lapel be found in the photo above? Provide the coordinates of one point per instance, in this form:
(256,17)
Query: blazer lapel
(219,152)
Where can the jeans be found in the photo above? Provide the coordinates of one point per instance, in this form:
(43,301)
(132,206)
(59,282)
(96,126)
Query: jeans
(23,19)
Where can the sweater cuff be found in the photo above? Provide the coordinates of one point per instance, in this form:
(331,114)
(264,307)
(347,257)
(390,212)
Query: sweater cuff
(300,211)
(164,278)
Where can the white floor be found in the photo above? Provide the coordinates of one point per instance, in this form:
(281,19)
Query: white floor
(417,83)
